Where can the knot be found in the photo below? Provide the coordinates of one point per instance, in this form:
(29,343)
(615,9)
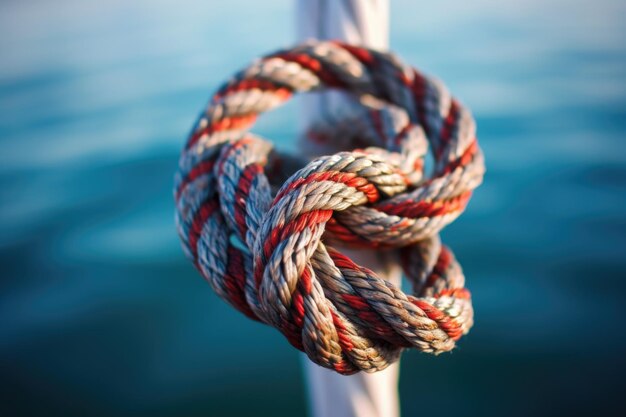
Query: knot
(263,235)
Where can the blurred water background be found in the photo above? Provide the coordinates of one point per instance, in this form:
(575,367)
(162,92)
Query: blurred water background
(101,314)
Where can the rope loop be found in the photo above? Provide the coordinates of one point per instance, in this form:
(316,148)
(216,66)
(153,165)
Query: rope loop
(265,237)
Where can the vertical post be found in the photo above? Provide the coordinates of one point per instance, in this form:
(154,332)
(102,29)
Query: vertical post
(362,22)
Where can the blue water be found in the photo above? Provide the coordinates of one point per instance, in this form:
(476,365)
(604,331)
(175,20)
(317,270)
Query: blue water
(101,314)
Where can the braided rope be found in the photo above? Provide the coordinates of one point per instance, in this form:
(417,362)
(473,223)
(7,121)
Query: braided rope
(266,249)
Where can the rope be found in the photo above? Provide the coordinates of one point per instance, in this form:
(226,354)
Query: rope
(269,249)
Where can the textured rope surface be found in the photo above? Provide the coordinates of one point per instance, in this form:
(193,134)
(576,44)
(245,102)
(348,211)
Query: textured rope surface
(265,241)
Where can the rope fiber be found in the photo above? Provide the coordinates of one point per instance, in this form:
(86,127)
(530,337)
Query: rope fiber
(268,241)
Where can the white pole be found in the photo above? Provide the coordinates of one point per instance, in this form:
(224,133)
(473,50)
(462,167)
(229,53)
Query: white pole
(362,22)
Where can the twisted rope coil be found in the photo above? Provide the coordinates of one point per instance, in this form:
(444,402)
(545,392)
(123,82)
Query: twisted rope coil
(268,250)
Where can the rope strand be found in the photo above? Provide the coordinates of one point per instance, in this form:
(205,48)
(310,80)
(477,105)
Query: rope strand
(273,255)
